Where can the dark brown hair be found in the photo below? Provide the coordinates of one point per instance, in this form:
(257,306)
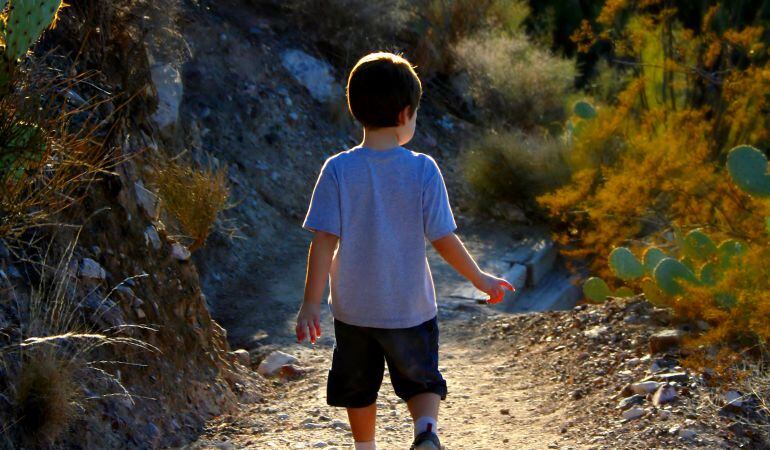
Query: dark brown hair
(379,87)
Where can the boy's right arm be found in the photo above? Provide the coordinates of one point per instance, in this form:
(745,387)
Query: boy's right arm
(319,262)
(451,248)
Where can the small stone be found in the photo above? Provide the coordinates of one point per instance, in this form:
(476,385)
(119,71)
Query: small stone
(596,332)
(242,356)
(665,393)
(686,433)
(733,400)
(644,387)
(151,238)
(140,313)
(88,268)
(505,411)
(628,402)
(664,340)
(291,371)
(274,361)
(180,252)
(319,444)
(674,377)
(633,413)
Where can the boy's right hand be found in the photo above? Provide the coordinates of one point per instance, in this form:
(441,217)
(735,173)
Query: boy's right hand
(493,286)
(309,322)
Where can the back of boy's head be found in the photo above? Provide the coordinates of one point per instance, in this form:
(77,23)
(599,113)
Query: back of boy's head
(380,86)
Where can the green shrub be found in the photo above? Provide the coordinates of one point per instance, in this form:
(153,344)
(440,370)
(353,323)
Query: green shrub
(513,81)
(515,167)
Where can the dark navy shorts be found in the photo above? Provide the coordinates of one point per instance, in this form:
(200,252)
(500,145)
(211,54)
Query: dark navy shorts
(359,360)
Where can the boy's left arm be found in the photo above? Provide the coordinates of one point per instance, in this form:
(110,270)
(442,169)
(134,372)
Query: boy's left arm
(451,248)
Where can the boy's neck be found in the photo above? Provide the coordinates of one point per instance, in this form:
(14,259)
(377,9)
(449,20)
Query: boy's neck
(380,138)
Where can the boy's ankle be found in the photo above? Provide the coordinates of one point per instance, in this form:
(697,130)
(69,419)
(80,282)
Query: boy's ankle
(425,423)
(369,445)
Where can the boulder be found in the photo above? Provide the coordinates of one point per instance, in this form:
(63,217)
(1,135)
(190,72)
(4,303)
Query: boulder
(633,400)
(664,340)
(312,73)
(541,262)
(272,364)
(170,90)
(148,202)
(90,269)
(151,238)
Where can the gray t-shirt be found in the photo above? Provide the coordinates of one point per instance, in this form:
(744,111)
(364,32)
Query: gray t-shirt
(382,204)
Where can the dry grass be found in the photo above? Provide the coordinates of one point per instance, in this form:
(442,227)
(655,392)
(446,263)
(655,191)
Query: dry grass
(194,197)
(58,351)
(45,394)
(47,162)
(515,167)
(514,81)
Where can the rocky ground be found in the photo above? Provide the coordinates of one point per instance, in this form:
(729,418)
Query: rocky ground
(596,376)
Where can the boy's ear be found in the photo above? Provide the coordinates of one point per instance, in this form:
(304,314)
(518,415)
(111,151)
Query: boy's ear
(405,115)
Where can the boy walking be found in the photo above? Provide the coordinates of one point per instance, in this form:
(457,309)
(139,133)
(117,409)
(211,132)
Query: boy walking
(372,208)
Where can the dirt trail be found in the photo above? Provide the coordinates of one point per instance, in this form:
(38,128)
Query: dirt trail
(492,403)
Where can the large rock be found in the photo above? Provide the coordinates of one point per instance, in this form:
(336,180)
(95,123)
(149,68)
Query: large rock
(541,262)
(169,87)
(90,269)
(313,73)
(556,291)
(272,364)
(148,202)
(517,276)
(664,340)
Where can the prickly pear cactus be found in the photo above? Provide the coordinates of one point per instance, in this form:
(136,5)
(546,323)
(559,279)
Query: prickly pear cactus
(26,20)
(669,273)
(596,289)
(748,168)
(584,110)
(625,265)
(652,256)
(698,245)
(728,251)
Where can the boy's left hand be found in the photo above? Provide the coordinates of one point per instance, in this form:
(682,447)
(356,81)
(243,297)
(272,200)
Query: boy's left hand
(494,287)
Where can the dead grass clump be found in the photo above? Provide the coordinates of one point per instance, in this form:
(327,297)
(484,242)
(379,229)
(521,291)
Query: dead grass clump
(514,81)
(515,167)
(45,394)
(194,197)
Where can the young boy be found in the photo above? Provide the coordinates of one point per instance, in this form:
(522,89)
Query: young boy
(379,202)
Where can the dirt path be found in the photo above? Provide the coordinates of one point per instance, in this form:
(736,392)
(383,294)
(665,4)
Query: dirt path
(492,403)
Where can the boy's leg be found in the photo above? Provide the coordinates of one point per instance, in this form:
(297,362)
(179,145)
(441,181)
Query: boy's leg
(362,422)
(412,356)
(355,378)
(424,410)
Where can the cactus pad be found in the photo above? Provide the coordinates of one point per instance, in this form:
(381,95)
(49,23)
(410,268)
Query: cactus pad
(728,250)
(748,168)
(624,292)
(698,245)
(584,110)
(652,256)
(710,273)
(596,289)
(625,265)
(26,20)
(669,274)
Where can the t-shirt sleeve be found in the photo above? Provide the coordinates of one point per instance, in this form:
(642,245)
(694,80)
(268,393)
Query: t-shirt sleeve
(324,211)
(436,212)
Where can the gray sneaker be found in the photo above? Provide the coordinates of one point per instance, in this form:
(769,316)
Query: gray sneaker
(427,440)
